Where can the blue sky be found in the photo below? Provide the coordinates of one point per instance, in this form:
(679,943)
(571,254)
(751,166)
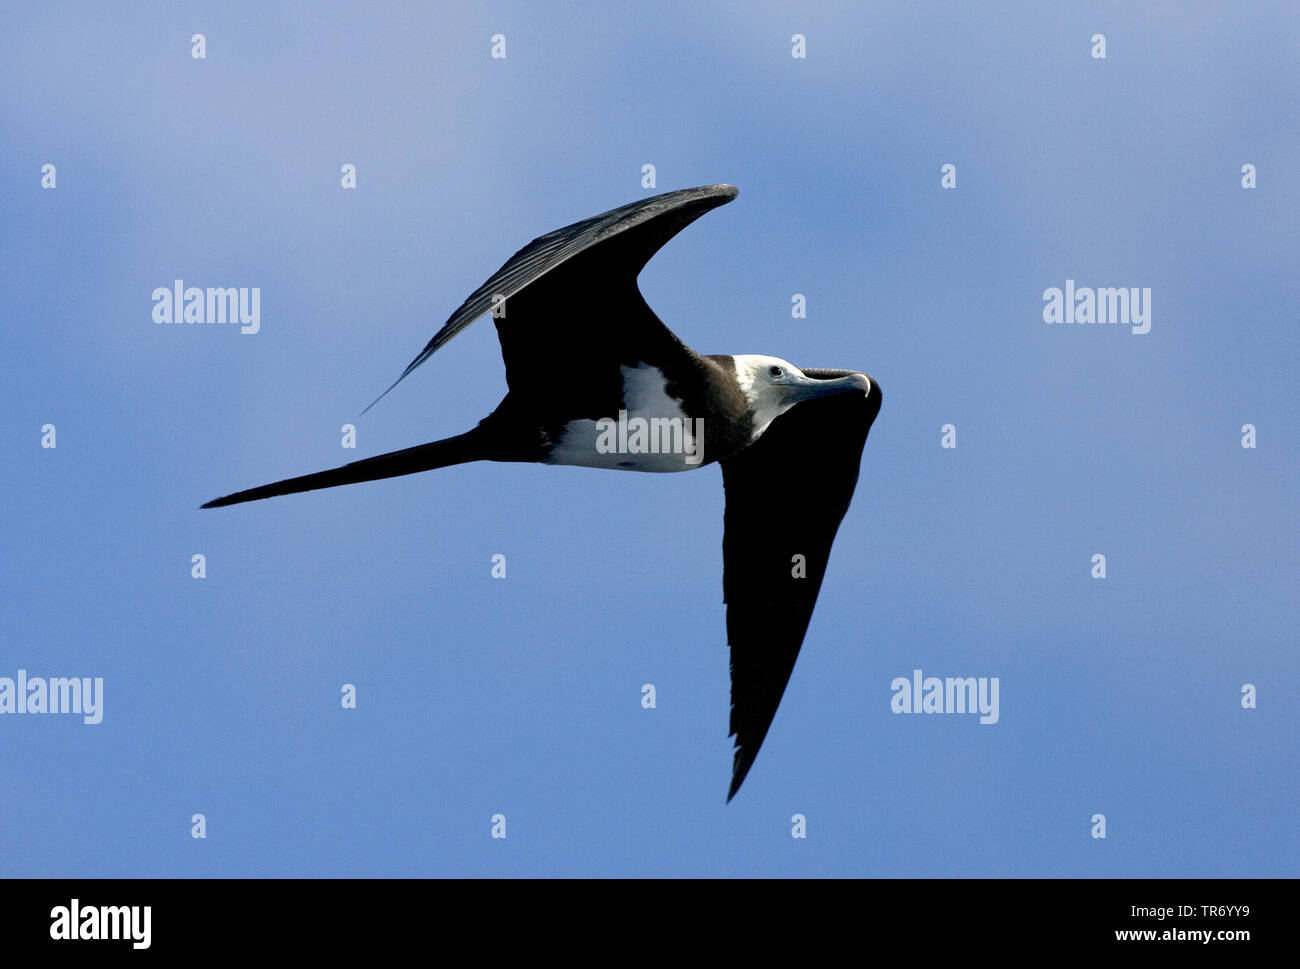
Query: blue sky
(521,696)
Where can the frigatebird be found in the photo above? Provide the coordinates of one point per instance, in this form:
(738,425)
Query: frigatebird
(595,379)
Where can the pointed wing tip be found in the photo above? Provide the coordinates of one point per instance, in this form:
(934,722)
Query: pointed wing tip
(740,766)
(722,192)
(386,392)
(718,194)
(379,398)
(736,780)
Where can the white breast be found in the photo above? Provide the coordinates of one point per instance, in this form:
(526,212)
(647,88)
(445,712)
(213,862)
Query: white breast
(652,434)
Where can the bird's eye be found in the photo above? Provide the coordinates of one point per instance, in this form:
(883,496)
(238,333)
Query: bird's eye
(776,372)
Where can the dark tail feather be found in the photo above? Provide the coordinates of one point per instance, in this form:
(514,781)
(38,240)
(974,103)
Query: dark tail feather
(424,457)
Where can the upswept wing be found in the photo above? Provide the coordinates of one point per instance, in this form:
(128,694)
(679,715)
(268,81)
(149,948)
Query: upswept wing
(615,245)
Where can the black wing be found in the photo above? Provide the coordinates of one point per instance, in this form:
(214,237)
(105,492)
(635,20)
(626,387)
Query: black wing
(614,246)
(560,293)
(786,496)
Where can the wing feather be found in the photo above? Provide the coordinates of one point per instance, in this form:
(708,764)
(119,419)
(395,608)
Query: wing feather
(786,496)
(623,254)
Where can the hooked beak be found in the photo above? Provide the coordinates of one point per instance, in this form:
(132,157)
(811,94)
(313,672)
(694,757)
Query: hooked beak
(806,388)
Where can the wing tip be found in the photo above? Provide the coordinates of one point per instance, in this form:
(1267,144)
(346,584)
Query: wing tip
(741,763)
(720,193)
(382,396)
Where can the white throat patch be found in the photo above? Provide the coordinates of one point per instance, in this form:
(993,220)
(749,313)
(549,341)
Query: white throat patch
(766,403)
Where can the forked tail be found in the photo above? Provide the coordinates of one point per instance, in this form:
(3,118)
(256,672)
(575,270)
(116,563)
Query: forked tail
(423,457)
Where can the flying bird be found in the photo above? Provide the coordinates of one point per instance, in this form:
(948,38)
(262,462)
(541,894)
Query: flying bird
(595,379)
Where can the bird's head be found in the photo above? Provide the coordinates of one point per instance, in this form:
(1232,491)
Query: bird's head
(772,386)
